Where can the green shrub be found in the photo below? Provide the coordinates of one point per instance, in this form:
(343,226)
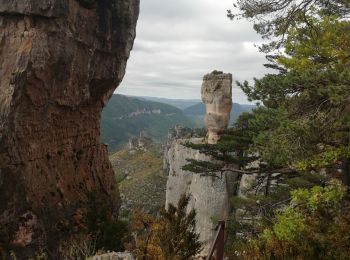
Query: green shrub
(109,231)
(316,225)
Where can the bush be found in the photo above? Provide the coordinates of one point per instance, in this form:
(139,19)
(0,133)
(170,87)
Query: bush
(170,236)
(110,232)
(316,225)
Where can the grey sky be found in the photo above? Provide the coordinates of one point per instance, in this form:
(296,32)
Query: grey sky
(179,41)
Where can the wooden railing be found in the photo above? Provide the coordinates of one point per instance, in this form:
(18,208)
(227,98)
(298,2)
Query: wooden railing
(218,243)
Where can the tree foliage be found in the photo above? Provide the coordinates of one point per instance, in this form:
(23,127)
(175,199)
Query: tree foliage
(303,123)
(177,236)
(316,225)
(170,236)
(274,18)
(308,103)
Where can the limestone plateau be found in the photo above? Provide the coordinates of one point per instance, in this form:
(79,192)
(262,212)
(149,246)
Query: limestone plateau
(60,61)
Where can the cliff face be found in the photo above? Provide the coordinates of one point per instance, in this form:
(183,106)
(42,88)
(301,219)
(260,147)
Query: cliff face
(209,195)
(60,61)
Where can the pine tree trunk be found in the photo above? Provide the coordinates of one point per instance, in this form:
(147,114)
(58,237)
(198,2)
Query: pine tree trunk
(346,172)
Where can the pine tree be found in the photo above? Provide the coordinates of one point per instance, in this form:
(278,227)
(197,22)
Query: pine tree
(309,102)
(274,19)
(177,236)
(303,124)
(170,236)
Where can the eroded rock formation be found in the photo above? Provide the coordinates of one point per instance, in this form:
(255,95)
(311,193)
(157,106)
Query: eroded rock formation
(217,97)
(209,194)
(60,61)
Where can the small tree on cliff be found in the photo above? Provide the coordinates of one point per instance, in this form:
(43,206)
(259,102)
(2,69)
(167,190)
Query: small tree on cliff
(170,236)
(177,236)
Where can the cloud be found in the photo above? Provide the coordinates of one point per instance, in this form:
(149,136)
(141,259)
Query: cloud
(178,42)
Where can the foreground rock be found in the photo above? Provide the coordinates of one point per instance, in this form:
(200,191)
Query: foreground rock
(114,256)
(60,61)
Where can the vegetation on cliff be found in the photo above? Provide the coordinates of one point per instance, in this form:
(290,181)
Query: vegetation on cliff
(169,236)
(298,138)
(307,106)
(308,102)
(314,225)
(140,177)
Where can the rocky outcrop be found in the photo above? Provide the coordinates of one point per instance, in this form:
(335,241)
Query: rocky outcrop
(114,256)
(209,194)
(140,112)
(60,61)
(139,143)
(179,132)
(217,97)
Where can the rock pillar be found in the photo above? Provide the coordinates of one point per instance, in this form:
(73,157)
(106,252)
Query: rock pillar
(209,194)
(217,97)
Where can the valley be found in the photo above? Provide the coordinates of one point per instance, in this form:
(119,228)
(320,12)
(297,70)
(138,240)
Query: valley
(126,117)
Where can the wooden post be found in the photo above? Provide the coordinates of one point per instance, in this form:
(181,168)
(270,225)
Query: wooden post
(221,241)
(218,243)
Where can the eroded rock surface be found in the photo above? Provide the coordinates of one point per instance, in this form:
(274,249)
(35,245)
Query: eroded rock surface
(217,97)
(114,256)
(209,194)
(60,61)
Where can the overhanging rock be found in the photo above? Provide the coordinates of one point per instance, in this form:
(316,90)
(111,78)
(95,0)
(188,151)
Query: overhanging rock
(60,61)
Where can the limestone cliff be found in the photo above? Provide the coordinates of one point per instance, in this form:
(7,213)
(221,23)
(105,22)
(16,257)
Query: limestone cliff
(60,61)
(209,194)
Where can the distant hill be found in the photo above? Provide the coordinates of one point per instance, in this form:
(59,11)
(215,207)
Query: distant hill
(125,117)
(198,110)
(179,103)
